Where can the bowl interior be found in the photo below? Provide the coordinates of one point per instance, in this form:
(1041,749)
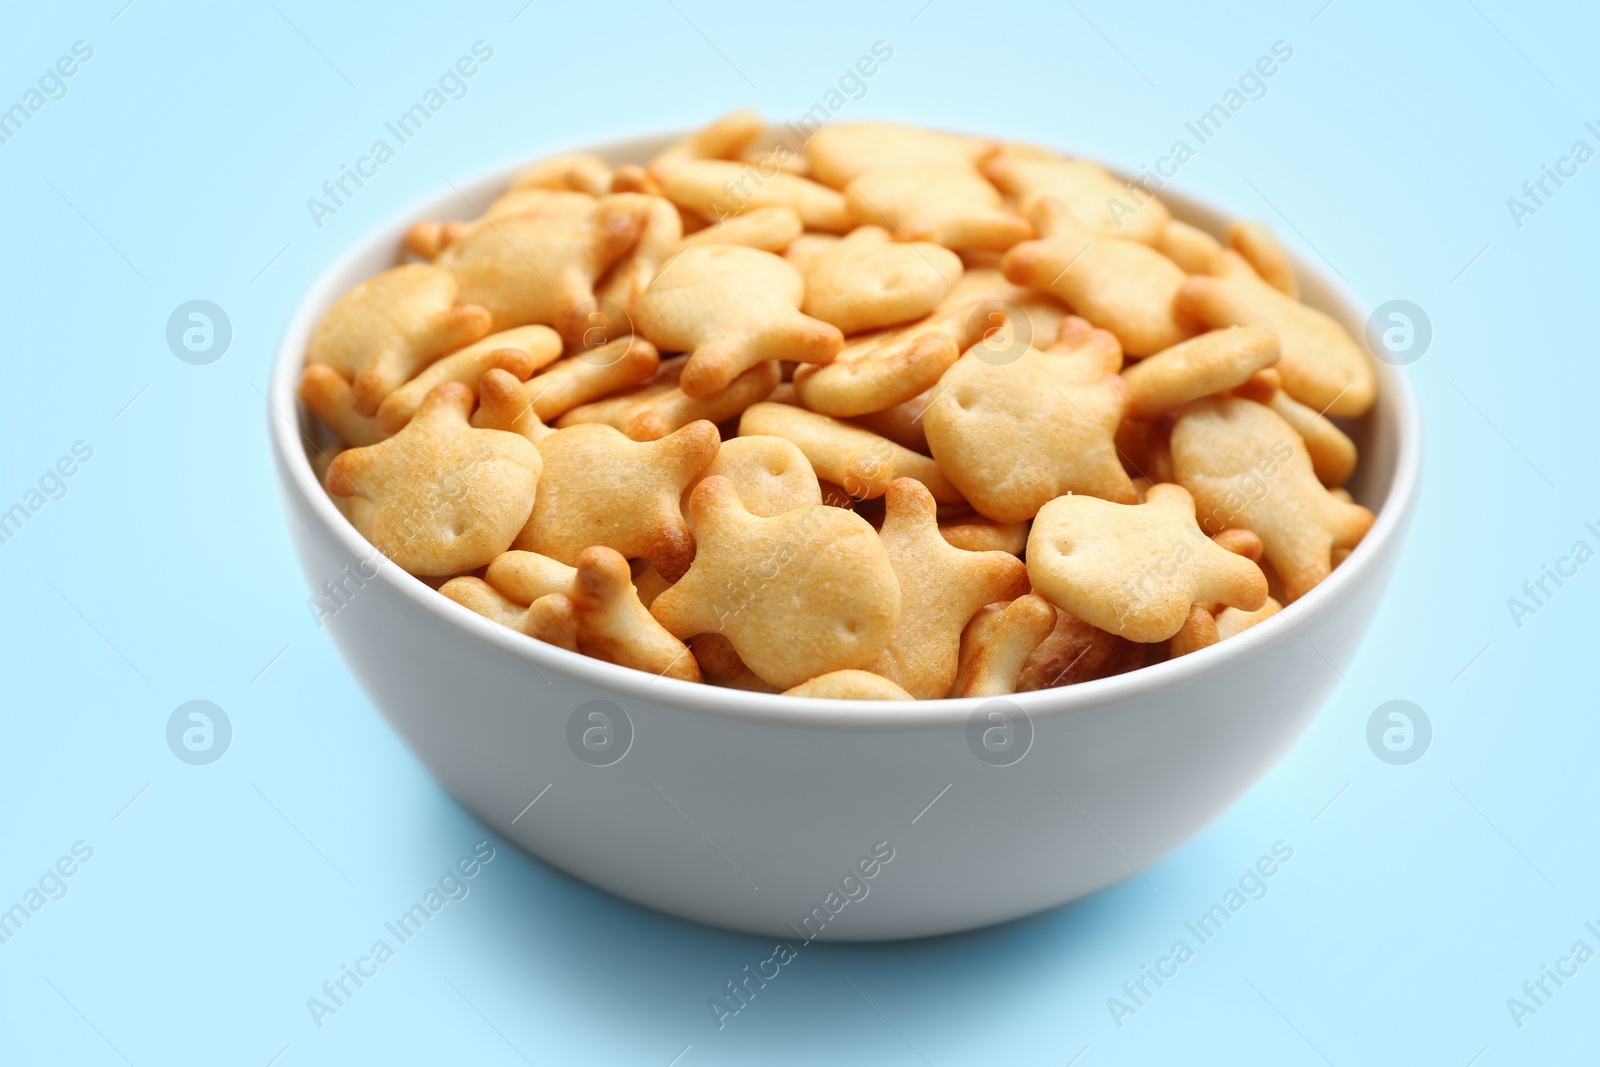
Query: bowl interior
(1388,438)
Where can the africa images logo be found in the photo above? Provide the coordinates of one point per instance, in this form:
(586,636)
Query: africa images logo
(199,732)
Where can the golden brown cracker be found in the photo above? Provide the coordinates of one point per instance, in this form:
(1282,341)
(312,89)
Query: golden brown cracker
(540,266)
(725,137)
(1135,570)
(799,594)
(1091,197)
(941,588)
(978,534)
(1231,621)
(840,151)
(770,474)
(600,488)
(592,608)
(1199,631)
(950,206)
(1013,435)
(1246,467)
(849,685)
(446,497)
(1259,246)
(521,352)
(1320,365)
(868,280)
(1213,362)
(996,645)
(1077,652)
(856,459)
(879,370)
(503,404)
(1333,454)
(325,392)
(614,626)
(771,229)
(1188,246)
(716,189)
(526,576)
(731,308)
(658,406)
(580,171)
(387,328)
(660,237)
(1119,285)
(479,596)
(901,423)
(591,375)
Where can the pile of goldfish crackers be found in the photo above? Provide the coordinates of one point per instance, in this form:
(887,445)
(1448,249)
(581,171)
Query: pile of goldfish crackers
(892,414)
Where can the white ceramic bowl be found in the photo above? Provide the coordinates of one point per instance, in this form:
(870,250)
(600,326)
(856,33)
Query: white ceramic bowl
(755,812)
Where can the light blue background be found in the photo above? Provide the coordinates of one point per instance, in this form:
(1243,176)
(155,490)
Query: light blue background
(178,166)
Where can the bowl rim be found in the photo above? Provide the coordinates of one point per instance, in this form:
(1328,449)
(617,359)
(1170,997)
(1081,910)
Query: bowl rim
(296,475)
